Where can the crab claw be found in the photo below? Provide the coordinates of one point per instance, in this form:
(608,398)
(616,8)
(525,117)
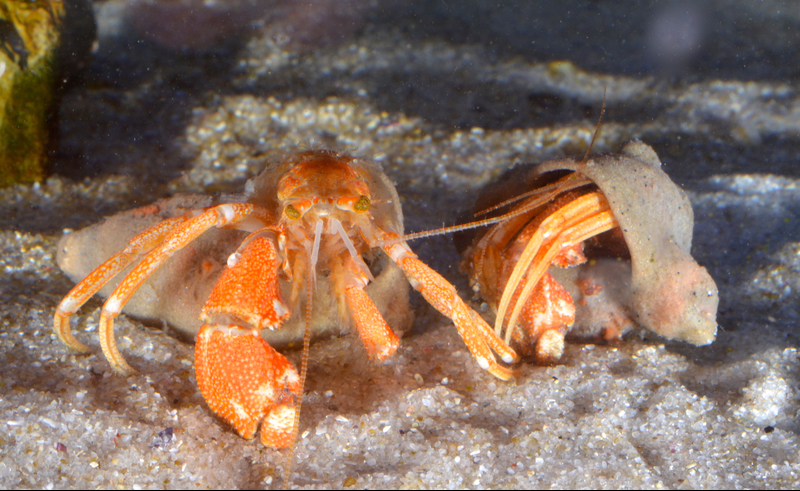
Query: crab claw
(545,318)
(248,288)
(245,381)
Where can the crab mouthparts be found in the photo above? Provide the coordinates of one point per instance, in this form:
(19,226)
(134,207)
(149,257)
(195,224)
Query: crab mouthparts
(335,227)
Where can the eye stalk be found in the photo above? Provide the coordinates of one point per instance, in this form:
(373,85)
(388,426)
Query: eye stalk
(362,204)
(298,207)
(351,203)
(292,212)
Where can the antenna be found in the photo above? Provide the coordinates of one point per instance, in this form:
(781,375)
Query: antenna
(547,192)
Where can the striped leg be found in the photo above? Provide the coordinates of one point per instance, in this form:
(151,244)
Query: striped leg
(226,215)
(477,334)
(581,219)
(90,285)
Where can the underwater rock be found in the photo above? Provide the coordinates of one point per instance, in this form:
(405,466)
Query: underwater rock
(40,43)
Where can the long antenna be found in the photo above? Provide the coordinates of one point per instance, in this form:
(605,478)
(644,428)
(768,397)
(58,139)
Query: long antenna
(556,188)
(561,185)
(287,475)
(596,127)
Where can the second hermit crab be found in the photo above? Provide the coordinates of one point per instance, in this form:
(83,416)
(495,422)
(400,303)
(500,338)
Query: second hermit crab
(319,223)
(590,248)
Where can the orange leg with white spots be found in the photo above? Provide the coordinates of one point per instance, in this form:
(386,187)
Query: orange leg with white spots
(90,285)
(245,381)
(476,333)
(226,215)
(379,339)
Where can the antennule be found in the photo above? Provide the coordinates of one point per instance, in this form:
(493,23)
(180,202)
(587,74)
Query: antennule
(596,127)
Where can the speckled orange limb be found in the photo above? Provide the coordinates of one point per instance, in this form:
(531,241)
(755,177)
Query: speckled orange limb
(90,285)
(181,235)
(379,340)
(476,333)
(244,380)
(582,218)
(544,320)
(248,288)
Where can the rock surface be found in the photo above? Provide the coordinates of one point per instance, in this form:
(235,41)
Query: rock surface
(42,43)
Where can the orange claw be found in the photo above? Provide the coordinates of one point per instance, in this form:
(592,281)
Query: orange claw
(245,381)
(545,318)
(248,288)
(379,339)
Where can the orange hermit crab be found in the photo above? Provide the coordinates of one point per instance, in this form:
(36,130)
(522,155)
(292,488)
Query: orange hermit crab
(310,220)
(635,226)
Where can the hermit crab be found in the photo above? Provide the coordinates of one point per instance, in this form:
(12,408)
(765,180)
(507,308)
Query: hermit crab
(589,248)
(317,228)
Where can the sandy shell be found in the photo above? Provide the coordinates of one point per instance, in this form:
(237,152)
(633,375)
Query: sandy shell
(661,287)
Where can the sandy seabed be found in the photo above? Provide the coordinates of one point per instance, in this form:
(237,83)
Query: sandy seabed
(638,414)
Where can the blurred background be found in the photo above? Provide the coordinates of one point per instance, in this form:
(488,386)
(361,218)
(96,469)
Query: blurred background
(454,65)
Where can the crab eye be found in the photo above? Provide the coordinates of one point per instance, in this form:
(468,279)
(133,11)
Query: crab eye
(362,204)
(291,212)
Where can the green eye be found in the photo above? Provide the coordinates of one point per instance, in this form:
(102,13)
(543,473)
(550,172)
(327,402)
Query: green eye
(362,204)
(292,212)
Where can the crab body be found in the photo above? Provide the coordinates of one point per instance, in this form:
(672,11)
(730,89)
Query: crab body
(633,223)
(301,231)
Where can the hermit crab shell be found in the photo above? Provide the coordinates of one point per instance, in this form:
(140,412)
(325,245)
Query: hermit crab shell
(666,291)
(659,286)
(174,295)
